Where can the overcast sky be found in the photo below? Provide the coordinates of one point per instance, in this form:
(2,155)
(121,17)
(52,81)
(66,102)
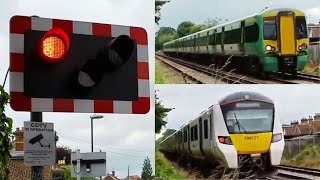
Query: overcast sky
(177,11)
(294,101)
(127,139)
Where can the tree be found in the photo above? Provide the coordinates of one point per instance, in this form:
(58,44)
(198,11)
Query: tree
(166,30)
(160,40)
(213,22)
(185,28)
(5,134)
(158,5)
(63,152)
(161,113)
(146,170)
(164,34)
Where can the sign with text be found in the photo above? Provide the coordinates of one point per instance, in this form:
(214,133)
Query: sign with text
(39,143)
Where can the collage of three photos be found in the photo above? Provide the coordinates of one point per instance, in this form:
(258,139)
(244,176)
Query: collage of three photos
(178,89)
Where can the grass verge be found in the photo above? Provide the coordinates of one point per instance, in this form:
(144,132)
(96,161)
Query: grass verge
(165,170)
(312,67)
(159,74)
(309,157)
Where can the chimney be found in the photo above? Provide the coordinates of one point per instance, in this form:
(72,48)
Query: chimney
(19,139)
(304,121)
(113,173)
(316,117)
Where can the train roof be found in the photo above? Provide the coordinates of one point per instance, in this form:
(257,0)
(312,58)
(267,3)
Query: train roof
(264,11)
(245,95)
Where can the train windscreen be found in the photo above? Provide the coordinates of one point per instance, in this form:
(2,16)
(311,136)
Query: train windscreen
(301,27)
(270,29)
(248,117)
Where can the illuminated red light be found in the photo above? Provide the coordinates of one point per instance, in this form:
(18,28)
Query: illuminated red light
(221,139)
(54,45)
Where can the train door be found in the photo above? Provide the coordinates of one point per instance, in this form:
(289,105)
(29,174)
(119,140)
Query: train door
(222,40)
(211,134)
(189,137)
(194,43)
(242,36)
(184,134)
(207,41)
(287,33)
(201,135)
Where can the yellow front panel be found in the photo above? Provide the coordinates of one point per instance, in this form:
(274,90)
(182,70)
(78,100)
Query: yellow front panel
(251,143)
(287,35)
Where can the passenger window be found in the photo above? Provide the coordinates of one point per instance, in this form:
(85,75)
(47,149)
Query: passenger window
(205,129)
(196,132)
(192,134)
(251,33)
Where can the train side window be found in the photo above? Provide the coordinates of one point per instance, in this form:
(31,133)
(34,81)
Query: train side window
(218,38)
(232,37)
(196,132)
(212,39)
(185,136)
(192,136)
(251,33)
(205,124)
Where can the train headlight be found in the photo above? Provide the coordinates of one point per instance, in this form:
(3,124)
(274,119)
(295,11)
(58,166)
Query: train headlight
(225,140)
(270,48)
(277,137)
(303,47)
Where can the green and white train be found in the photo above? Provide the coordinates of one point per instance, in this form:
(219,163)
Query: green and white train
(274,40)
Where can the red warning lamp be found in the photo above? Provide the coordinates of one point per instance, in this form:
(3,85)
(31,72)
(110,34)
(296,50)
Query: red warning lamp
(54,45)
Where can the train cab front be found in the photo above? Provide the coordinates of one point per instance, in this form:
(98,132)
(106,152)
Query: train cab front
(250,122)
(286,41)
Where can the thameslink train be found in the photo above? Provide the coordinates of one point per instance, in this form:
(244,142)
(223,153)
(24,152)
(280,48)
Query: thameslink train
(273,40)
(243,125)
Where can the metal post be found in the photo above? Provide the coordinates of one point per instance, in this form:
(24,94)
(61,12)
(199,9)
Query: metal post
(78,164)
(91,134)
(36,171)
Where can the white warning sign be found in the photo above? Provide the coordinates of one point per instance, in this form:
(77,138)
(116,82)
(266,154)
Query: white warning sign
(39,144)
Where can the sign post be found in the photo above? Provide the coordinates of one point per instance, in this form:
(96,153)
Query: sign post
(39,144)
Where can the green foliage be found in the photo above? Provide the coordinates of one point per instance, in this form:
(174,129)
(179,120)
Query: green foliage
(185,28)
(161,113)
(146,170)
(58,174)
(5,134)
(164,170)
(308,157)
(167,133)
(165,34)
(160,79)
(67,171)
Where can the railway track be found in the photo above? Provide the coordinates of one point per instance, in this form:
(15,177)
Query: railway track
(235,78)
(299,78)
(228,77)
(289,172)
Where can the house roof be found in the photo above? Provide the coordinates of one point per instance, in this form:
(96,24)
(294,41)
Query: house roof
(289,131)
(315,127)
(303,129)
(133,177)
(110,177)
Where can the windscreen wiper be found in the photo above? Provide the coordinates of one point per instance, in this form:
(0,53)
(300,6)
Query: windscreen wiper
(239,124)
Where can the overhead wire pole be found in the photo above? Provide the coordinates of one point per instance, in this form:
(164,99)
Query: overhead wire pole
(36,171)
